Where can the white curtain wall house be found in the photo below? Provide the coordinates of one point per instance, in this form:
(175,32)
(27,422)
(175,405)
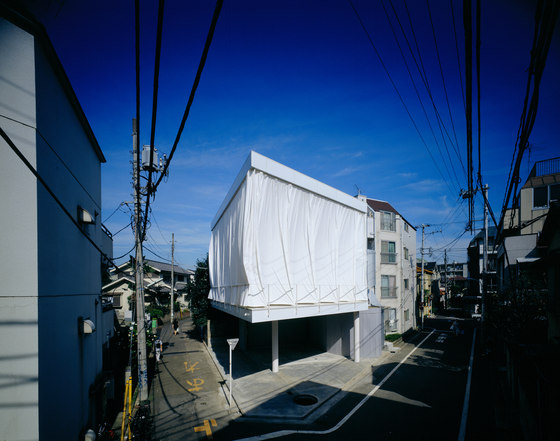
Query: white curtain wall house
(284,239)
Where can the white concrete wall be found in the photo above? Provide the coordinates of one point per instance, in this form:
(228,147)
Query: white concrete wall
(19,363)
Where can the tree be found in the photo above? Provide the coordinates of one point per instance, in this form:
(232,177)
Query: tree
(197,293)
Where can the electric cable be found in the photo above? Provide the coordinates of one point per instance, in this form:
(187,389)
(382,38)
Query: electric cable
(422,71)
(193,89)
(457,51)
(32,169)
(154,111)
(442,75)
(55,153)
(420,98)
(398,93)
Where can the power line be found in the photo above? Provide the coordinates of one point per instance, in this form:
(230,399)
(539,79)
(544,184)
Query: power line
(154,109)
(443,82)
(55,153)
(424,76)
(193,90)
(32,169)
(457,51)
(546,15)
(397,92)
(417,92)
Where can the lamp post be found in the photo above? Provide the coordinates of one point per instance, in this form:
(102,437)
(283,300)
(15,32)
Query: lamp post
(232,342)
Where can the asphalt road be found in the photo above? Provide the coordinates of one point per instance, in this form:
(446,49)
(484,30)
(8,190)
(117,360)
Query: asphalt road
(422,399)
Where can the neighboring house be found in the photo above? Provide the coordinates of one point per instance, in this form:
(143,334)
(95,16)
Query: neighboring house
(157,284)
(54,328)
(288,264)
(431,288)
(453,279)
(523,223)
(475,264)
(549,250)
(393,248)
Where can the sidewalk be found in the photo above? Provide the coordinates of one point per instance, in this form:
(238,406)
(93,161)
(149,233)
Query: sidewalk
(190,391)
(186,388)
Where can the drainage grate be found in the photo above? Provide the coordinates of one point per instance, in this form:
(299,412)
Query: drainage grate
(305,400)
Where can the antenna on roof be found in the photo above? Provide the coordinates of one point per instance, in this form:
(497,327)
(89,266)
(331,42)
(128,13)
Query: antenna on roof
(358,188)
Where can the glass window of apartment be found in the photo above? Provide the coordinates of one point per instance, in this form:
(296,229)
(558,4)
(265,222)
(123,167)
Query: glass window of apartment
(405,283)
(406,227)
(388,252)
(405,251)
(388,287)
(388,221)
(406,315)
(540,197)
(555,193)
(370,243)
(390,320)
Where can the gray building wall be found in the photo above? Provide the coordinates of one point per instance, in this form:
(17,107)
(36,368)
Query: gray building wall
(51,273)
(19,345)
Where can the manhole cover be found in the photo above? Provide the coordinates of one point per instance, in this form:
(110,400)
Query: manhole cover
(305,400)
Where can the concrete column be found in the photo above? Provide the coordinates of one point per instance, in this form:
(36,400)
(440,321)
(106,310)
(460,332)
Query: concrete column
(242,326)
(208,334)
(356,336)
(274,346)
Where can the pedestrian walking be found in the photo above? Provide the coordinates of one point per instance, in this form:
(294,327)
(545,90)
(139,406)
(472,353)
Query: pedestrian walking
(159,349)
(175,326)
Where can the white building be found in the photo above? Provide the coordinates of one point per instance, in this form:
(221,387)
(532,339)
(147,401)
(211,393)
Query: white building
(50,365)
(392,247)
(284,247)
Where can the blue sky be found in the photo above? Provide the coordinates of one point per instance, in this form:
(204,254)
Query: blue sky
(298,81)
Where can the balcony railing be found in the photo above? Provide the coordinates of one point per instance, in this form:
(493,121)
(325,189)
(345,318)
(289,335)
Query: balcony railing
(388,292)
(546,167)
(388,257)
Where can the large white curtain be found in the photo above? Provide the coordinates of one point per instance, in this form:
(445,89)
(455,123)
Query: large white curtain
(277,244)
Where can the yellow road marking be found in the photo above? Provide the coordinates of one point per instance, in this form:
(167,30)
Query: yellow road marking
(192,368)
(196,383)
(206,427)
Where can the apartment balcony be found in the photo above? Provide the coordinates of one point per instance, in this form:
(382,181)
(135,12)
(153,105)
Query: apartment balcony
(388,292)
(389,258)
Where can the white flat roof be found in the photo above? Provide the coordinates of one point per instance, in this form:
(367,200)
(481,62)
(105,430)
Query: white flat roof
(266,165)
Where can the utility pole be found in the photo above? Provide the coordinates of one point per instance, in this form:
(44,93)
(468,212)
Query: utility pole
(139,270)
(446,283)
(172,272)
(422,278)
(485,254)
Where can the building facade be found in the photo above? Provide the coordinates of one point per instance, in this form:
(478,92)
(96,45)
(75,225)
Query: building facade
(524,222)
(157,285)
(54,329)
(393,251)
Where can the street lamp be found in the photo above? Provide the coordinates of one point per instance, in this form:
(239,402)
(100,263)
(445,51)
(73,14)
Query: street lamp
(232,342)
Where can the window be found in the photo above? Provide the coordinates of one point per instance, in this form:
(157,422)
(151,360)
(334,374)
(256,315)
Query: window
(371,244)
(406,227)
(405,283)
(405,250)
(117,301)
(388,221)
(555,193)
(388,252)
(540,196)
(388,288)
(543,196)
(390,320)
(406,315)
